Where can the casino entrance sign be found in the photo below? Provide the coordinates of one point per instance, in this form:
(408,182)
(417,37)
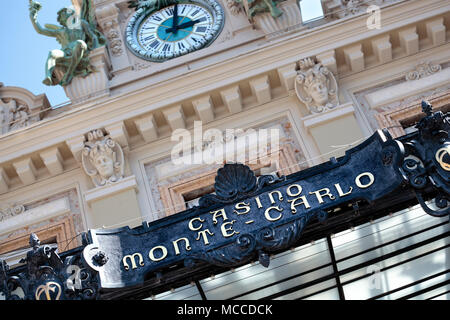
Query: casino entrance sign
(252,217)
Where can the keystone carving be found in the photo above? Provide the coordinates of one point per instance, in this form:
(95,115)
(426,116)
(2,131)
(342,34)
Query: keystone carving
(102,159)
(316,86)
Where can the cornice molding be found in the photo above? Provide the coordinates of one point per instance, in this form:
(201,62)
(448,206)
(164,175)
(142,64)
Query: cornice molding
(138,102)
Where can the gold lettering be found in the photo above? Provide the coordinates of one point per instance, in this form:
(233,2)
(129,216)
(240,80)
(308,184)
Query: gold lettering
(152,255)
(294,203)
(340,192)
(280,196)
(290,193)
(320,196)
(204,236)
(363,186)
(225,230)
(267,213)
(219,213)
(242,206)
(191,224)
(258,203)
(132,258)
(177,249)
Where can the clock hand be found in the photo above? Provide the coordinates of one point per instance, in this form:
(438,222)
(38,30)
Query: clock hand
(182,26)
(175,18)
(187,24)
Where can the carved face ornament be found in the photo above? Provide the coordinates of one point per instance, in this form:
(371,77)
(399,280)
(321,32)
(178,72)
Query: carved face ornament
(319,91)
(103,159)
(316,86)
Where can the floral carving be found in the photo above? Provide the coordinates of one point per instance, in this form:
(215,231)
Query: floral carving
(11,212)
(423,69)
(115,44)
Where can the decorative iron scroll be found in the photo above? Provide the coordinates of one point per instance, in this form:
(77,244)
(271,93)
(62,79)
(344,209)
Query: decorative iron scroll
(247,219)
(427,160)
(48,277)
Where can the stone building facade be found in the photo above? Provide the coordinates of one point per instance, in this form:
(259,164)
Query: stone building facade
(104,160)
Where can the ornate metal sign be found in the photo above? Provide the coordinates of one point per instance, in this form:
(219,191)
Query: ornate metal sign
(248,218)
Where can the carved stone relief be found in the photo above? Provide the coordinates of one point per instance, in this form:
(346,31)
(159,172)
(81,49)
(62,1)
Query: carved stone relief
(234,6)
(423,69)
(344,8)
(114,42)
(11,211)
(316,86)
(420,71)
(64,227)
(13,115)
(102,159)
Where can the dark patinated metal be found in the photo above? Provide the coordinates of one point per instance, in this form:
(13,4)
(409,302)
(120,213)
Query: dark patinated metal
(427,160)
(417,164)
(48,277)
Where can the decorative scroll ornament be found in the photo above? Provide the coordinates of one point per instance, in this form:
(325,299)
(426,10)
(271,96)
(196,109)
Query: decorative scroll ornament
(316,86)
(423,69)
(259,245)
(427,165)
(11,212)
(48,277)
(102,159)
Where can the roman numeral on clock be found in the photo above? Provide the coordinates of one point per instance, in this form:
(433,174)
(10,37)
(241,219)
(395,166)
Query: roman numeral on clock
(200,29)
(150,37)
(154,44)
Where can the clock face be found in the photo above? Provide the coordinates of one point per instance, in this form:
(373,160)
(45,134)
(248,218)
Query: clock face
(174,30)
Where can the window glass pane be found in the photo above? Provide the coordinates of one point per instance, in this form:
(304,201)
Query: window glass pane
(401,275)
(413,250)
(255,276)
(312,292)
(331,294)
(311,9)
(188,292)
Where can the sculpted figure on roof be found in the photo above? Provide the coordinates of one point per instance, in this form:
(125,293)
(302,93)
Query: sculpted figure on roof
(78,36)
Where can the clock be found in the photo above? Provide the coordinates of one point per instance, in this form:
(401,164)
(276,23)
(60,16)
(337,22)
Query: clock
(173,30)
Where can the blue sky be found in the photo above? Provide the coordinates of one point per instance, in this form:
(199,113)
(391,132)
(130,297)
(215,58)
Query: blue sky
(24,52)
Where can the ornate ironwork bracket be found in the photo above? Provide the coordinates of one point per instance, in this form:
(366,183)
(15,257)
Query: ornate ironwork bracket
(427,161)
(48,277)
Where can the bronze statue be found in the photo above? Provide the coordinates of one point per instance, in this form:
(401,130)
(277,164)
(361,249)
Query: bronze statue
(78,36)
